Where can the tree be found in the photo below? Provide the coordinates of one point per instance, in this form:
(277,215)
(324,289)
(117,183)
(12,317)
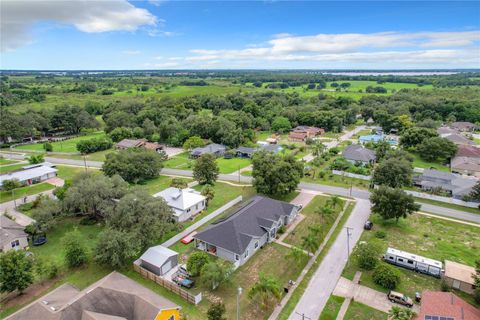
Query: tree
(436,149)
(381,149)
(386,276)
(205,170)
(392,203)
(265,292)
(16,271)
(120,133)
(196,261)
(46,214)
(310,243)
(47,146)
(412,137)
(275,174)
(178,183)
(35,159)
(133,165)
(296,255)
(145,217)
(324,211)
(474,194)
(215,273)
(318,148)
(334,201)
(115,248)
(10,185)
(394,173)
(367,255)
(94,145)
(193,142)
(216,312)
(75,252)
(476,281)
(208,192)
(281,124)
(397,313)
(91,195)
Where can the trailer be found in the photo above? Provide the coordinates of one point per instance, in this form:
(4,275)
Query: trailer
(414,262)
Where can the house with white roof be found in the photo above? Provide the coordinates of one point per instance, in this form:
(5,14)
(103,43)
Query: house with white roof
(185,203)
(30,175)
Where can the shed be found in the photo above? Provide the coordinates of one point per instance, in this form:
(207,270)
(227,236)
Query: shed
(159,260)
(459,276)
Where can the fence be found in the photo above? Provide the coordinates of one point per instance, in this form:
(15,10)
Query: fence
(352,175)
(443,199)
(170,286)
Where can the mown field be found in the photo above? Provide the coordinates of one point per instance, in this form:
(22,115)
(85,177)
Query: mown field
(69,145)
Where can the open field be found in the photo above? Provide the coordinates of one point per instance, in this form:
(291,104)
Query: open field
(312,217)
(332,308)
(359,311)
(69,146)
(426,236)
(6,196)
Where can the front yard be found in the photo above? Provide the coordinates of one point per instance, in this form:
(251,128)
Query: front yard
(426,236)
(69,145)
(6,196)
(360,311)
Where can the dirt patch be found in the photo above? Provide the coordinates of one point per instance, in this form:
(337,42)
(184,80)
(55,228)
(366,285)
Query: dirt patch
(33,292)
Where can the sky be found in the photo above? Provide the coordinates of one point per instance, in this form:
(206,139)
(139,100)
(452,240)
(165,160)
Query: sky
(158,34)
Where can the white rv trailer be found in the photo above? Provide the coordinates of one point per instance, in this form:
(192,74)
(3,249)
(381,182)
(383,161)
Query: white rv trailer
(413,262)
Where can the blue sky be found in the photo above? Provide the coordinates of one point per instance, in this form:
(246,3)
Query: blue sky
(117,34)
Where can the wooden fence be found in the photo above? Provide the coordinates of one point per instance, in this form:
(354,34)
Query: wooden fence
(169,285)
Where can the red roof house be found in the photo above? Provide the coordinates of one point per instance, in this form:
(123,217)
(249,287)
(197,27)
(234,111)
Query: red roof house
(438,305)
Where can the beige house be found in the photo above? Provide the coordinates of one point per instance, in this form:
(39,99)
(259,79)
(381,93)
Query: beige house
(459,276)
(12,236)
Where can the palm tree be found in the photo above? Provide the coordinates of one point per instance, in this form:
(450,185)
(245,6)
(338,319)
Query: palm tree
(315,229)
(208,192)
(324,211)
(265,292)
(318,148)
(397,313)
(310,243)
(296,255)
(334,201)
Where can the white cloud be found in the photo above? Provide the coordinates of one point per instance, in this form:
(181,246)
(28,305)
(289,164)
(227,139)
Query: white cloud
(131,52)
(18,16)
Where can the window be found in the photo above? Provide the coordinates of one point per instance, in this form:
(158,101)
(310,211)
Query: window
(237,257)
(246,254)
(391,258)
(188,210)
(15,243)
(400,259)
(410,261)
(256,245)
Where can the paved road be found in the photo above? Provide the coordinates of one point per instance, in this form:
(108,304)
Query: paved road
(346,192)
(328,273)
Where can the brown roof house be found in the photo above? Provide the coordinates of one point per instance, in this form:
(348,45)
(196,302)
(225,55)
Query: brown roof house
(463,126)
(466,161)
(301,133)
(115,297)
(459,276)
(12,236)
(445,306)
(138,143)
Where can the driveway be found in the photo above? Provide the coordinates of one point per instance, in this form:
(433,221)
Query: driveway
(326,277)
(370,297)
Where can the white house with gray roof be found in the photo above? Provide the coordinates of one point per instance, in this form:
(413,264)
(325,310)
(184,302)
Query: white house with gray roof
(456,185)
(185,203)
(357,153)
(237,237)
(30,175)
(12,235)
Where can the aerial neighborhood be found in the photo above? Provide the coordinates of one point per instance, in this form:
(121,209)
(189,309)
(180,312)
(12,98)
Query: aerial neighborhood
(168,160)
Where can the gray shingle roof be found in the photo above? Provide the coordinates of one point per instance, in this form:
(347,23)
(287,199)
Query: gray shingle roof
(251,221)
(459,139)
(211,148)
(357,152)
(10,230)
(455,183)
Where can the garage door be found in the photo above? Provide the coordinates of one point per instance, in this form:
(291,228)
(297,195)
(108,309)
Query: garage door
(167,266)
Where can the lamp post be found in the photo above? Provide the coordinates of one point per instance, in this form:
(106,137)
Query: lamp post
(348,240)
(239,292)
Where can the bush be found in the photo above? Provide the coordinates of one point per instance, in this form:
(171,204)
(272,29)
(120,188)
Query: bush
(47,146)
(216,312)
(380,234)
(476,295)
(367,255)
(94,145)
(386,276)
(444,286)
(196,261)
(74,251)
(282,229)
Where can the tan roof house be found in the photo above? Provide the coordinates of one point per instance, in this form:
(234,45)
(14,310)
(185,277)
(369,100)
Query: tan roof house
(12,236)
(459,276)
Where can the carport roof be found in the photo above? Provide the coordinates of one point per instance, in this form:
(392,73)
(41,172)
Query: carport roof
(158,255)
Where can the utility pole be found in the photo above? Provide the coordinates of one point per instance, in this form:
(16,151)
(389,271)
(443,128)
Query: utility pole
(239,292)
(304,317)
(348,240)
(85,162)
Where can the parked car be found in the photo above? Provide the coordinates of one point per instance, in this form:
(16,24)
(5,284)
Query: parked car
(368,225)
(400,298)
(184,282)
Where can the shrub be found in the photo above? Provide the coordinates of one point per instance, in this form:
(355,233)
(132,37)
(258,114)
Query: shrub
(386,276)
(47,146)
(216,312)
(282,229)
(444,286)
(380,234)
(196,261)
(94,145)
(367,255)
(74,251)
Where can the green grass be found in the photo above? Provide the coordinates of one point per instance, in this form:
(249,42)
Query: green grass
(313,218)
(332,308)
(6,196)
(247,173)
(12,167)
(420,163)
(158,184)
(7,161)
(70,172)
(360,311)
(338,181)
(426,236)
(69,145)
(447,205)
(96,156)
(232,165)
(180,161)
(297,294)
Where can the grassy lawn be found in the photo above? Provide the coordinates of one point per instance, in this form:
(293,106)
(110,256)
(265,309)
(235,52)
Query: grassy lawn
(430,237)
(69,145)
(69,172)
(297,294)
(232,165)
(360,311)
(420,163)
(338,181)
(247,173)
(313,218)
(25,191)
(180,161)
(332,308)
(158,184)
(7,161)
(12,167)
(96,156)
(362,133)
(447,205)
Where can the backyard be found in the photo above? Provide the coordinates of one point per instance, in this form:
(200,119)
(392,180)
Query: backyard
(423,235)
(69,145)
